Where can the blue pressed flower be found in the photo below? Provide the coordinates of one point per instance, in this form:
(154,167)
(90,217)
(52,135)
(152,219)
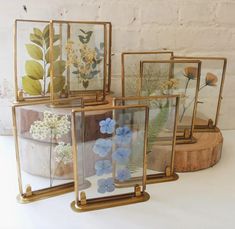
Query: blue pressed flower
(102,147)
(123,174)
(107,126)
(103,167)
(121,155)
(105,185)
(123,135)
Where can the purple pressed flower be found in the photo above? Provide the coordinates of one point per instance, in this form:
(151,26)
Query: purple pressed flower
(121,155)
(107,126)
(123,135)
(103,167)
(105,185)
(102,147)
(123,174)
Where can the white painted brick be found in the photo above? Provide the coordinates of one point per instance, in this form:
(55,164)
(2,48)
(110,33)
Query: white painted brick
(197,12)
(160,12)
(226,13)
(119,14)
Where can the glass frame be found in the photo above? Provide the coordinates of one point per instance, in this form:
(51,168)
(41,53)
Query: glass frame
(81,203)
(30,195)
(186,135)
(211,126)
(169,174)
(134,53)
(90,97)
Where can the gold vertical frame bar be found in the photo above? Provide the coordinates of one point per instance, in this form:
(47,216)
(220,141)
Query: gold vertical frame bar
(114,200)
(51,58)
(137,53)
(109,57)
(105,62)
(15,62)
(68,67)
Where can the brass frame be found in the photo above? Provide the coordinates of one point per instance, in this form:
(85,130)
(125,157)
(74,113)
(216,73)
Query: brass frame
(138,195)
(93,96)
(18,94)
(187,136)
(169,174)
(210,126)
(29,195)
(137,53)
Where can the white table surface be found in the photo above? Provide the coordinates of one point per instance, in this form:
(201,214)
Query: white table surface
(204,199)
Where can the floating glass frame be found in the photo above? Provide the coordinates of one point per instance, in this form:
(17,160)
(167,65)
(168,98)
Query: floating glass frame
(130,71)
(180,77)
(85,59)
(163,116)
(43,149)
(213,71)
(31,60)
(114,152)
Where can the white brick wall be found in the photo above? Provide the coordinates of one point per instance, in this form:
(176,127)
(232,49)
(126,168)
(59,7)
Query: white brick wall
(195,27)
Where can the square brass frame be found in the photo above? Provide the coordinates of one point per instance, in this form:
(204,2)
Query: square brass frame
(30,195)
(90,97)
(210,125)
(137,53)
(81,203)
(169,174)
(187,136)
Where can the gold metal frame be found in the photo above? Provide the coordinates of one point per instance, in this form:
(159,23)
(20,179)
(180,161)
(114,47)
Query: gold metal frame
(169,174)
(81,203)
(210,126)
(137,53)
(187,136)
(91,97)
(33,195)
(19,97)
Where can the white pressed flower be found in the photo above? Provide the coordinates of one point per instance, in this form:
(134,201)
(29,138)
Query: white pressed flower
(52,125)
(63,153)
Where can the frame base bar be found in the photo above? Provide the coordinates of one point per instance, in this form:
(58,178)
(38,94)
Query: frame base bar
(50,192)
(161,177)
(205,129)
(182,140)
(108,202)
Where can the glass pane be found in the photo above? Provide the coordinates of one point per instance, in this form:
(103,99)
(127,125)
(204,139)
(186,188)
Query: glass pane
(111,145)
(173,78)
(32,58)
(82,51)
(161,130)
(131,69)
(209,90)
(45,150)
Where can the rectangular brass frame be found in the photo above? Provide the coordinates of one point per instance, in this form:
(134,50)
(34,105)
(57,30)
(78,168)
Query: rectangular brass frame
(114,200)
(187,136)
(18,95)
(26,197)
(93,95)
(209,127)
(137,53)
(170,175)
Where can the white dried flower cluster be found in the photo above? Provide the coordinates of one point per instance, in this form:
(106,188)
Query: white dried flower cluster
(63,153)
(169,84)
(52,125)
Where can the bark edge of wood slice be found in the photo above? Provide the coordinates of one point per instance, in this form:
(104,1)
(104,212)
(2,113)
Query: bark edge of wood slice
(203,154)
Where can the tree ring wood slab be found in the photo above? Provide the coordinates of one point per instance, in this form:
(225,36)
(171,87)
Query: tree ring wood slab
(203,154)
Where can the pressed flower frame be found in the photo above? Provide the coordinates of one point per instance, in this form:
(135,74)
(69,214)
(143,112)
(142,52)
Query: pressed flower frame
(111,163)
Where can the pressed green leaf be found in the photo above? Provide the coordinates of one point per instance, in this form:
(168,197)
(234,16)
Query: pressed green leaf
(58,84)
(37,32)
(56,37)
(101,45)
(34,51)
(45,32)
(34,69)
(56,53)
(35,39)
(59,68)
(30,86)
(85,83)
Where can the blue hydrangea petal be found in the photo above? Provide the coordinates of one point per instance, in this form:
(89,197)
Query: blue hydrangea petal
(107,126)
(123,135)
(103,167)
(123,174)
(102,147)
(121,155)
